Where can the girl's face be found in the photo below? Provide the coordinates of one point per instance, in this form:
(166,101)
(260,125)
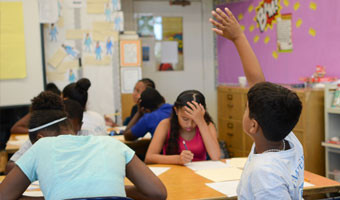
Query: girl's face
(185,122)
(139,88)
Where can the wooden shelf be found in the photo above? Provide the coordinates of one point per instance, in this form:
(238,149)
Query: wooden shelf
(326,144)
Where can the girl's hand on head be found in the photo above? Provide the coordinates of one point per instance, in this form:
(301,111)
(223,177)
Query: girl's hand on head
(185,157)
(226,24)
(195,111)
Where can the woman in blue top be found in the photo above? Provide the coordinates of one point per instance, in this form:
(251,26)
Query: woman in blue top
(69,166)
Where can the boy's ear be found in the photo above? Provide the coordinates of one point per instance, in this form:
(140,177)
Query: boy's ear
(254,127)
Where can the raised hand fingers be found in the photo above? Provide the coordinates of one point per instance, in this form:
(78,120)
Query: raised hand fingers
(219,18)
(230,14)
(223,15)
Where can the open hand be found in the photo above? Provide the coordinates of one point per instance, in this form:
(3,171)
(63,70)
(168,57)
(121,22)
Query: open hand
(226,25)
(195,111)
(185,157)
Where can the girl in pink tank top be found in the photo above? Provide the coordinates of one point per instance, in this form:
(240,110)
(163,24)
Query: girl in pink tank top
(189,135)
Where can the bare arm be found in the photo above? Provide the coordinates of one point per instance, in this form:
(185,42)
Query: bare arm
(145,181)
(153,155)
(128,135)
(227,26)
(21,126)
(208,131)
(9,166)
(15,183)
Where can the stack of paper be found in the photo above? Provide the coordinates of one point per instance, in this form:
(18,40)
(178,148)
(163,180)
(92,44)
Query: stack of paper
(228,188)
(201,165)
(222,174)
(159,170)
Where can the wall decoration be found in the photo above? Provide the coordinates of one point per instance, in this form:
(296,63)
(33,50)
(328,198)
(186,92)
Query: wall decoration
(130,54)
(284,33)
(266,14)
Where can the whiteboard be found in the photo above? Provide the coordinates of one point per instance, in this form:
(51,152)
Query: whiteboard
(21,91)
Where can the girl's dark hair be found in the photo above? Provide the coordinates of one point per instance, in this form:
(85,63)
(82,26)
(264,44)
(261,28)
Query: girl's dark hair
(181,101)
(47,107)
(148,82)
(78,91)
(53,88)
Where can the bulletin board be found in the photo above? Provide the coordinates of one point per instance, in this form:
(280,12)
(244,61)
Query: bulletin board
(21,57)
(83,43)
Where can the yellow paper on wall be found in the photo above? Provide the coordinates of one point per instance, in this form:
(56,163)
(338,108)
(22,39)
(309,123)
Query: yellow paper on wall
(251,28)
(95,8)
(12,41)
(97,1)
(266,39)
(60,22)
(275,55)
(63,67)
(240,16)
(56,59)
(312,32)
(298,23)
(312,5)
(250,8)
(92,61)
(102,26)
(286,3)
(296,6)
(74,34)
(256,38)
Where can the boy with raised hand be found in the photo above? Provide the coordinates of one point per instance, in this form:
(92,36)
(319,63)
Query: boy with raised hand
(275,165)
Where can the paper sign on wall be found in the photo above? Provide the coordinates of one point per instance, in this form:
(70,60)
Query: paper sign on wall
(129,77)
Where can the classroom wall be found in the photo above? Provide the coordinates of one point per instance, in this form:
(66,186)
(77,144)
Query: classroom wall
(308,51)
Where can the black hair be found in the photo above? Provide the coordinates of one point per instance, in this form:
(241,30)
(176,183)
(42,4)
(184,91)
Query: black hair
(181,101)
(151,99)
(148,82)
(78,91)
(47,107)
(53,88)
(276,109)
(74,110)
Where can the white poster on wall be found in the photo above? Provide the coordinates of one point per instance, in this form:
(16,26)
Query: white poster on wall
(169,52)
(129,77)
(48,11)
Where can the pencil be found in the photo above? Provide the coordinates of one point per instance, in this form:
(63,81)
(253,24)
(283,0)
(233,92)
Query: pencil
(185,145)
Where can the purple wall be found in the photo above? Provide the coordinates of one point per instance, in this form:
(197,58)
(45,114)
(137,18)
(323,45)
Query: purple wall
(308,51)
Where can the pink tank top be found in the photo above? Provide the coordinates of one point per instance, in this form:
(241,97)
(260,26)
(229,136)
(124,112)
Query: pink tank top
(195,145)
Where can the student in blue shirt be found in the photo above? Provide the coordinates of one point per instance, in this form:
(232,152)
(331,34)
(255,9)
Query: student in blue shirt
(151,110)
(69,166)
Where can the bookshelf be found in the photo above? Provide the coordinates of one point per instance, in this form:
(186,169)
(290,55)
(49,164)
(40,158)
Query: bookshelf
(332,129)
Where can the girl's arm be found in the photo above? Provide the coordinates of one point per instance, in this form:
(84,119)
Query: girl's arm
(227,26)
(153,155)
(208,131)
(21,126)
(147,184)
(14,185)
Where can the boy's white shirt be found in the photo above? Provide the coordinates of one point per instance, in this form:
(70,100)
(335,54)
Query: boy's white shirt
(93,124)
(274,175)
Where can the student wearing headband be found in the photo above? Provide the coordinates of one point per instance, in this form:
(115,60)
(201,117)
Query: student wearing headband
(69,166)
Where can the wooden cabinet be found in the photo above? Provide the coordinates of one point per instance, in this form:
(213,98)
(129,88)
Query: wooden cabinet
(309,130)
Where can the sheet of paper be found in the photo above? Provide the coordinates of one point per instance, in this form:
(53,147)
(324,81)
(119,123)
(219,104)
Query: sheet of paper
(65,66)
(95,8)
(228,188)
(92,61)
(129,77)
(33,193)
(201,165)
(12,41)
(237,162)
(48,11)
(169,52)
(222,174)
(16,142)
(55,76)
(306,184)
(101,26)
(21,137)
(56,59)
(75,34)
(74,3)
(118,20)
(159,170)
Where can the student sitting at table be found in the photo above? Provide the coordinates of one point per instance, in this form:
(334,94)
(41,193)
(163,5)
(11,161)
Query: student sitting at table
(93,122)
(75,114)
(189,135)
(151,110)
(69,166)
(275,165)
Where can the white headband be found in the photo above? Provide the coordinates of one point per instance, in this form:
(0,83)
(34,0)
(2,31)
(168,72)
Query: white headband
(47,125)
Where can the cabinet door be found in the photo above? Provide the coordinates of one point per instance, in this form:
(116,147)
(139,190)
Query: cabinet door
(231,132)
(230,105)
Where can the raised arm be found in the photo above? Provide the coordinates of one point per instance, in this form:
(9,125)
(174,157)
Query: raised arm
(227,26)
(146,184)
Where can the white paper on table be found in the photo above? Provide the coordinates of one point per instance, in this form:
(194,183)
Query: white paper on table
(228,188)
(16,142)
(169,52)
(22,137)
(306,184)
(201,165)
(222,174)
(31,191)
(33,194)
(159,170)
(237,162)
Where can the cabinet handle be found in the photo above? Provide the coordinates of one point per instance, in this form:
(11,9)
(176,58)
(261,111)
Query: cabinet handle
(230,105)
(230,134)
(230,116)
(229,145)
(230,125)
(230,97)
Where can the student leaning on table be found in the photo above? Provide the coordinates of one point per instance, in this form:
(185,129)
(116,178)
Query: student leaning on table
(70,166)
(275,166)
(189,135)
(75,114)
